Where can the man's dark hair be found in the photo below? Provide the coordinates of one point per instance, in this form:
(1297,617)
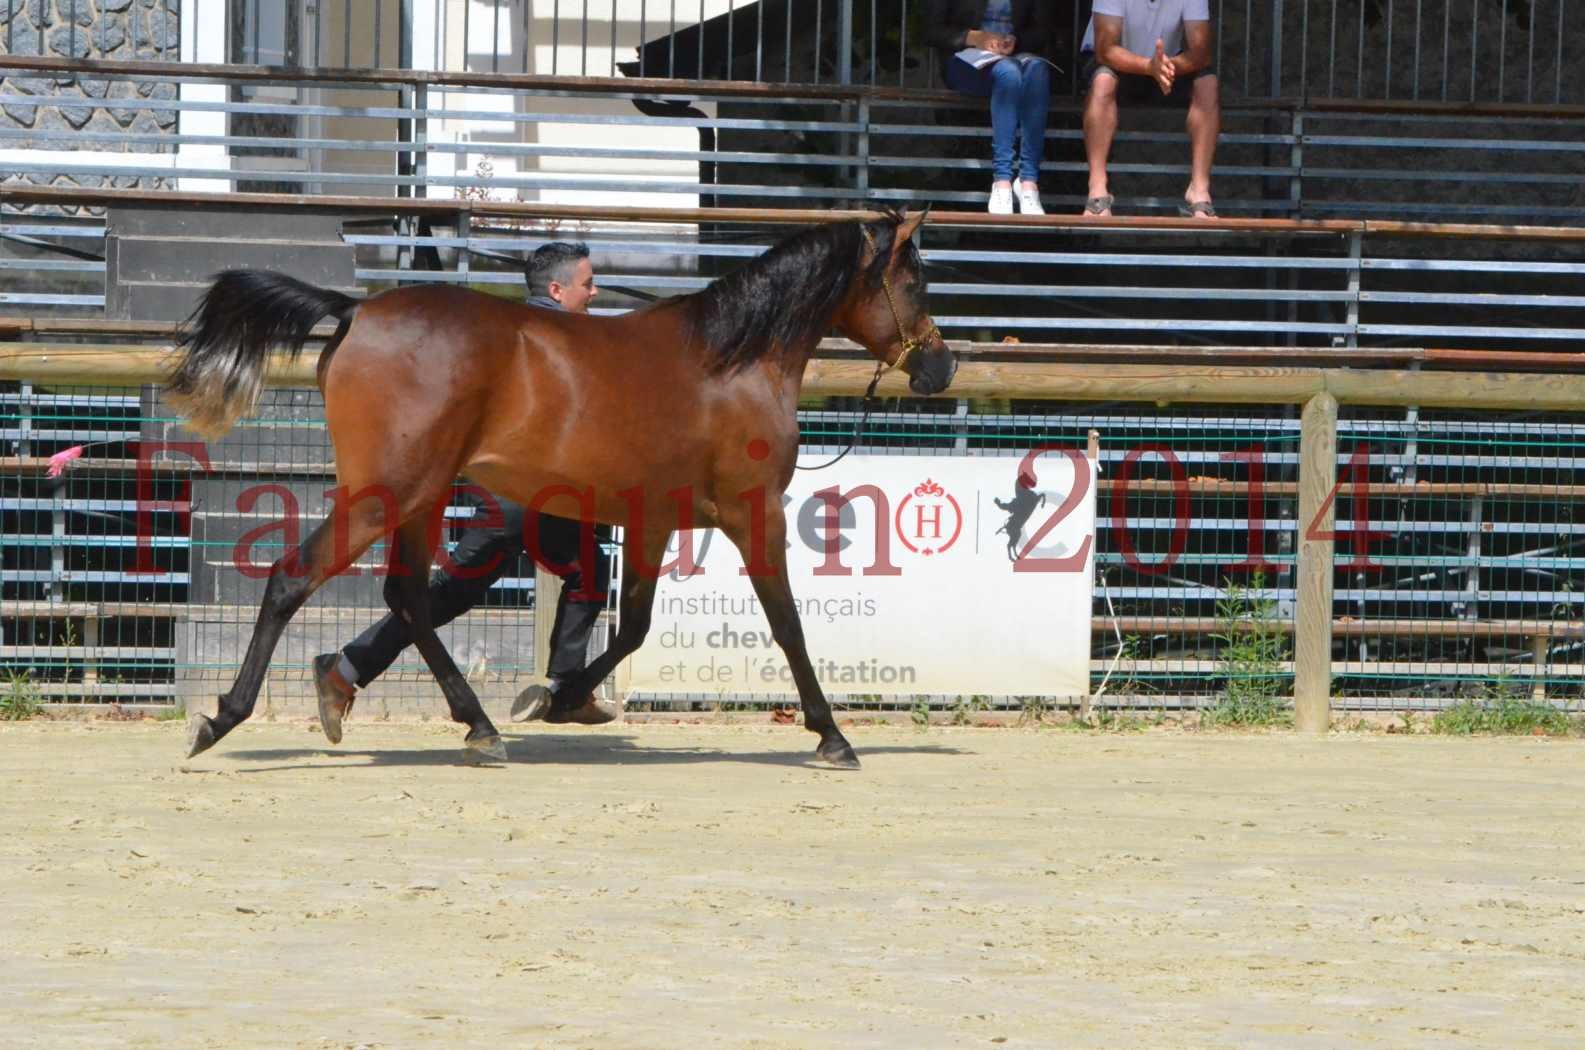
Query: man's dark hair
(552,262)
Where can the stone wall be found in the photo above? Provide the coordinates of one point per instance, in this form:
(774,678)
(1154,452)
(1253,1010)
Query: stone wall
(148,30)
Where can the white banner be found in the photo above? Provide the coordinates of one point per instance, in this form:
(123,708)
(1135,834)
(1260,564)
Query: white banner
(947,574)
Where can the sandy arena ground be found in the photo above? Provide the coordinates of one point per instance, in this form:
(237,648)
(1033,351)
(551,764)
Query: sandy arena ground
(670,886)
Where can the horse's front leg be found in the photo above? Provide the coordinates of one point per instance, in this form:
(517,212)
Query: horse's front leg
(768,570)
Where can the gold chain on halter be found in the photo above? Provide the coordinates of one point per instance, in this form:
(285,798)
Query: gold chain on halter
(909,344)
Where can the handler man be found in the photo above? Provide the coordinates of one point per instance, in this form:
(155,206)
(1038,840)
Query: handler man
(560,277)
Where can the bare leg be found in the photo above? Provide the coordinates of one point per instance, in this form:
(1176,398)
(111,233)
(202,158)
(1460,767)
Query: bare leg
(775,594)
(409,599)
(1100,127)
(1204,124)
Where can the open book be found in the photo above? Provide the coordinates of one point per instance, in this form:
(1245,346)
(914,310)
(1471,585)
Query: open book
(979,58)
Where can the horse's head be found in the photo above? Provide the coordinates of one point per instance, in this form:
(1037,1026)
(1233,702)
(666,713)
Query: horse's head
(887,311)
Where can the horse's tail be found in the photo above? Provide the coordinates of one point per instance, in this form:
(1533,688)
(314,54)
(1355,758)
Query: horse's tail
(225,344)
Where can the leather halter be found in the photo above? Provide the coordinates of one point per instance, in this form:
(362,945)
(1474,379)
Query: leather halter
(909,344)
(881,367)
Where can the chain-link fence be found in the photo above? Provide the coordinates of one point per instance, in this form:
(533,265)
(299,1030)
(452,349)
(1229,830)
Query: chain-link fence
(134,575)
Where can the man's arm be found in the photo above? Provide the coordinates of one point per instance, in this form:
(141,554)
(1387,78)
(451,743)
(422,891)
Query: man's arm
(1199,44)
(1110,52)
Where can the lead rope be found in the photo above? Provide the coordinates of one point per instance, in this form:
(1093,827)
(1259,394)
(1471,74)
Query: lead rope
(870,401)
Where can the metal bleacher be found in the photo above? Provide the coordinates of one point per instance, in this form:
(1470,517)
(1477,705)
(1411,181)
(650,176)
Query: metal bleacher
(1361,234)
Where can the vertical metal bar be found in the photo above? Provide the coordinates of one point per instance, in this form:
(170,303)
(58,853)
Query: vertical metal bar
(405,228)
(11,26)
(671,42)
(71,33)
(583,68)
(874,40)
(1474,44)
(253,9)
(1502,53)
(495,38)
(613,34)
(1356,247)
(700,74)
(844,38)
(1447,36)
(346,34)
(404,34)
(902,44)
(1304,51)
(441,22)
(421,138)
(528,43)
(643,32)
(863,184)
(1415,83)
(1276,48)
(1529,72)
(1296,176)
(319,27)
(730,25)
(759,44)
(1557,89)
(819,14)
(1387,92)
(378,11)
(1221,20)
(555,33)
(1331,56)
(786,58)
(1359,69)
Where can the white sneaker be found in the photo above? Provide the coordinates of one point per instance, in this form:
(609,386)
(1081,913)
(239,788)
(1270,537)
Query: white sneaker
(1001,200)
(1029,201)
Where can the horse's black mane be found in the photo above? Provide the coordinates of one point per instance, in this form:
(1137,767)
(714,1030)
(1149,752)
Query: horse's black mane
(786,297)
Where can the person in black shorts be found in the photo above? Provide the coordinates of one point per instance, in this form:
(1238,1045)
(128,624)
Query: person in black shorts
(1151,52)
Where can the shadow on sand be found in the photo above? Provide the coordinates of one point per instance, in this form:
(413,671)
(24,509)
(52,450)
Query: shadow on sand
(541,749)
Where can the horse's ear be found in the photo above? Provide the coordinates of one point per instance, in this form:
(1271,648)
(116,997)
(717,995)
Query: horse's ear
(906,228)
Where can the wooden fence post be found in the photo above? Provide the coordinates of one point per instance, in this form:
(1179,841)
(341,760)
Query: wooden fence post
(1312,629)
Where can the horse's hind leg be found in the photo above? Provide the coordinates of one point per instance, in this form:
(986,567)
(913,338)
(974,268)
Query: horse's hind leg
(292,580)
(409,599)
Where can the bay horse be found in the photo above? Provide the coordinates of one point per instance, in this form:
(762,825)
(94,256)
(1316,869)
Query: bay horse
(679,415)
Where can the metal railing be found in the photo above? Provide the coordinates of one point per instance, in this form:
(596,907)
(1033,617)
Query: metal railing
(1477,50)
(1327,285)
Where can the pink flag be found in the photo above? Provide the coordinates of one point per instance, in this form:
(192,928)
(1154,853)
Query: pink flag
(61,460)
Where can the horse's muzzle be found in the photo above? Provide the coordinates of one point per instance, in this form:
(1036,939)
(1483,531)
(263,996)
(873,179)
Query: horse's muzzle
(934,373)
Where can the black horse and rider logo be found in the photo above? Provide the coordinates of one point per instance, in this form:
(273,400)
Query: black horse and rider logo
(1018,510)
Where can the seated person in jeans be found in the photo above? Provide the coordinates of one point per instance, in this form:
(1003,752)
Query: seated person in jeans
(1018,83)
(1151,52)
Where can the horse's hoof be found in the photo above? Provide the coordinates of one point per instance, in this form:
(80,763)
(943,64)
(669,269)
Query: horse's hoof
(532,704)
(838,754)
(484,749)
(200,735)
